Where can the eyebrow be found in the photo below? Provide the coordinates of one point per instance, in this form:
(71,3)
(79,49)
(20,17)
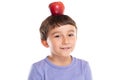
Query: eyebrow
(60,32)
(71,31)
(55,32)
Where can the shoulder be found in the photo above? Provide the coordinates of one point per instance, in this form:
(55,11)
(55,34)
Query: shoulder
(39,65)
(37,70)
(83,65)
(81,62)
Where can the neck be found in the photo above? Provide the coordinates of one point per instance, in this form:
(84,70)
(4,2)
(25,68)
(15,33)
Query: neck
(60,60)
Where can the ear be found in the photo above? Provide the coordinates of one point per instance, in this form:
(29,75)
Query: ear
(44,42)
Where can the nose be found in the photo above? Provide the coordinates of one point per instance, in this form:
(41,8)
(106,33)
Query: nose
(65,40)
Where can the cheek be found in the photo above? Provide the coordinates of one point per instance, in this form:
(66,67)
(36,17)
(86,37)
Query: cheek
(53,43)
(73,40)
(56,43)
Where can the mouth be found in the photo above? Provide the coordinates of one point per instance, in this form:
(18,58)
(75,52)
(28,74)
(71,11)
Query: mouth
(65,48)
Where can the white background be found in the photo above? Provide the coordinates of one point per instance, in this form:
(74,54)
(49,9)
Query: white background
(98,41)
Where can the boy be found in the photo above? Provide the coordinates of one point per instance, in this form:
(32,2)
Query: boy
(59,33)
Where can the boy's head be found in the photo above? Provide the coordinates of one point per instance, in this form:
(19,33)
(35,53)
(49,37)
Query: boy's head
(52,22)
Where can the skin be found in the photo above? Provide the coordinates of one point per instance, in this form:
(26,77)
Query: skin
(61,42)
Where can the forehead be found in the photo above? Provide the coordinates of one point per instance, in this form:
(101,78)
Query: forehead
(63,29)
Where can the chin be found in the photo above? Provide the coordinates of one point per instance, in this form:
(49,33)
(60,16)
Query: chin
(65,55)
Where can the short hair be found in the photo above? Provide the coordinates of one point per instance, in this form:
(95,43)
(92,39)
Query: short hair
(54,21)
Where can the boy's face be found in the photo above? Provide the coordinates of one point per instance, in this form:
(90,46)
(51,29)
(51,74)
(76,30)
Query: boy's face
(61,40)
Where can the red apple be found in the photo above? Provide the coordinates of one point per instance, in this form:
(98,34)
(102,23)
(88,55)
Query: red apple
(56,8)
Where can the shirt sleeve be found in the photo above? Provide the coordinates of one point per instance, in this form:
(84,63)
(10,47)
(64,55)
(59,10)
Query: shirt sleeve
(88,74)
(34,74)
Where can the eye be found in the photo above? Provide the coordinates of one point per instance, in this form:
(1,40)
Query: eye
(70,35)
(57,36)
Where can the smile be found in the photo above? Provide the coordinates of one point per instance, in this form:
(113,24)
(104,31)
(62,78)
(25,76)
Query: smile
(65,48)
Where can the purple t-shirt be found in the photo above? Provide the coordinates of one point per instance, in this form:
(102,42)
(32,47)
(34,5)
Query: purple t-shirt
(45,70)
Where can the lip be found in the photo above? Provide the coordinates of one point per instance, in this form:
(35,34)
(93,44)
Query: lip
(65,48)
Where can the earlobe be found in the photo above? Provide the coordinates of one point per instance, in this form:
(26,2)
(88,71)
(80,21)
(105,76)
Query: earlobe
(44,42)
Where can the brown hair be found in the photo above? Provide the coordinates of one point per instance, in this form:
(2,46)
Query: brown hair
(52,22)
